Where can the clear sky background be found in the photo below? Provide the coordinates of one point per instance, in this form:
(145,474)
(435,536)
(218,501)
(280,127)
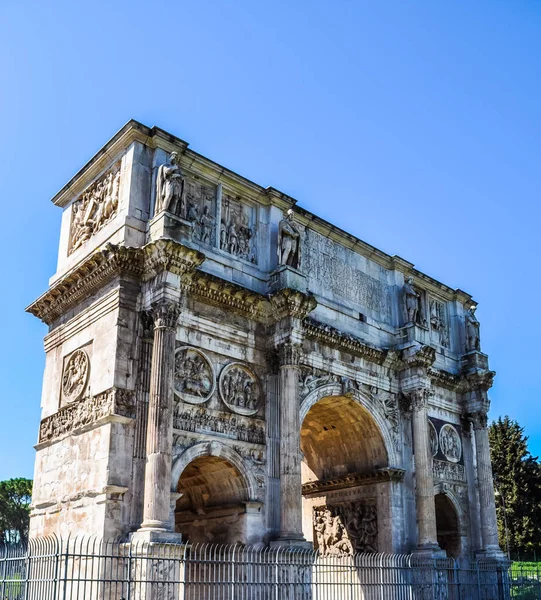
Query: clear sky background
(416,126)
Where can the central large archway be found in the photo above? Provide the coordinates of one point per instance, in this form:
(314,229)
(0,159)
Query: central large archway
(348,481)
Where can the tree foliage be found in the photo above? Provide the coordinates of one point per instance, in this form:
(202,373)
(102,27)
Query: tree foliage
(517,479)
(15,496)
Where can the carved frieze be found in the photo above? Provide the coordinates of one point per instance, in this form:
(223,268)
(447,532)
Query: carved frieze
(194,379)
(240,389)
(448,471)
(345,529)
(85,411)
(450,443)
(310,379)
(97,205)
(75,376)
(235,427)
(238,229)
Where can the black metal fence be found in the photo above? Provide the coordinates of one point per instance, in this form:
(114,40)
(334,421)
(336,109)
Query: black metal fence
(91,569)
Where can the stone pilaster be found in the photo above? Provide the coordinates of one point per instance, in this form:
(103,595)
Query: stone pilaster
(156,510)
(290,308)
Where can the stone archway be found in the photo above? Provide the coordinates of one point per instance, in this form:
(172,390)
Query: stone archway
(217,492)
(349,486)
(448,525)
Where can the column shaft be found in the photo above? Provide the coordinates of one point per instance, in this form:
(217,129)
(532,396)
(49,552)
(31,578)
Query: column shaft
(160,418)
(290,455)
(489,524)
(424,488)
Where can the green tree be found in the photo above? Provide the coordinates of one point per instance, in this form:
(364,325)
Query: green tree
(15,496)
(517,478)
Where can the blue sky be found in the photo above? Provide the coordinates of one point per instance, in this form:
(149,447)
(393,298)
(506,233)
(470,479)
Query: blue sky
(413,125)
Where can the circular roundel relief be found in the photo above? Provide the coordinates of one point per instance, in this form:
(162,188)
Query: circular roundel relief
(450,443)
(194,380)
(75,378)
(240,389)
(433,435)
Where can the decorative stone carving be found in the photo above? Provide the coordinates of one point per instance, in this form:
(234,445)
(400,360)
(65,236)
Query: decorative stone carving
(473,343)
(200,420)
(448,471)
(165,314)
(86,411)
(450,443)
(170,188)
(289,354)
(194,379)
(96,207)
(311,379)
(345,529)
(237,229)
(240,389)
(75,377)
(434,444)
(289,242)
(438,322)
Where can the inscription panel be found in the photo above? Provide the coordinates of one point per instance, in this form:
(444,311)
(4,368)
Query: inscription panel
(339,270)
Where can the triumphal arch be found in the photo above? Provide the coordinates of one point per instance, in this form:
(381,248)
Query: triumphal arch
(225,366)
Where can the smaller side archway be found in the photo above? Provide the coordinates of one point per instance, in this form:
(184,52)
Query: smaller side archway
(217,492)
(448,525)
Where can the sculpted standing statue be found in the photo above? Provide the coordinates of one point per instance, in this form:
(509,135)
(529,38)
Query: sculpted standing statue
(289,242)
(411,301)
(170,188)
(472,331)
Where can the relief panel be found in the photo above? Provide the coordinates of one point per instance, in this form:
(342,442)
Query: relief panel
(194,379)
(97,205)
(238,229)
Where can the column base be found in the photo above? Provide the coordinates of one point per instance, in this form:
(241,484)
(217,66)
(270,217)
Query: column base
(295,541)
(156,536)
(492,553)
(428,551)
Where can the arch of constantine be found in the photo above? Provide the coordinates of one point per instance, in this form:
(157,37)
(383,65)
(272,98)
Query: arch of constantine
(225,366)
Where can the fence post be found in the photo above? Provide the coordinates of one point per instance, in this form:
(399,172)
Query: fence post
(66,570)
(28,563)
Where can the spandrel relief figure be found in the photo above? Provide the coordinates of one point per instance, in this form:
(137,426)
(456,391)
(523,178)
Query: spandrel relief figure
(194,378)
(473,342)
(289,242)
(95,208)
(170,188)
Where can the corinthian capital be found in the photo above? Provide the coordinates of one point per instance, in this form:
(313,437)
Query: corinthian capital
(416,399)
(167,255)
(289,354)
(291,303)
(165,314)
(479,419)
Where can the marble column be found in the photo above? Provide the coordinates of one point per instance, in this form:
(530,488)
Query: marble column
(290,445)
(157,498)
(485,484)
(424,481)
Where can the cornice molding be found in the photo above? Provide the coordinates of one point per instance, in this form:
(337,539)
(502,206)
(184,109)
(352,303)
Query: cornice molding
(419,356)
(291,303)
(353,480)
(109,262)
(334,338)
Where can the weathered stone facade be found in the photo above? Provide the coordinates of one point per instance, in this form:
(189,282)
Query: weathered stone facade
(223,364)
